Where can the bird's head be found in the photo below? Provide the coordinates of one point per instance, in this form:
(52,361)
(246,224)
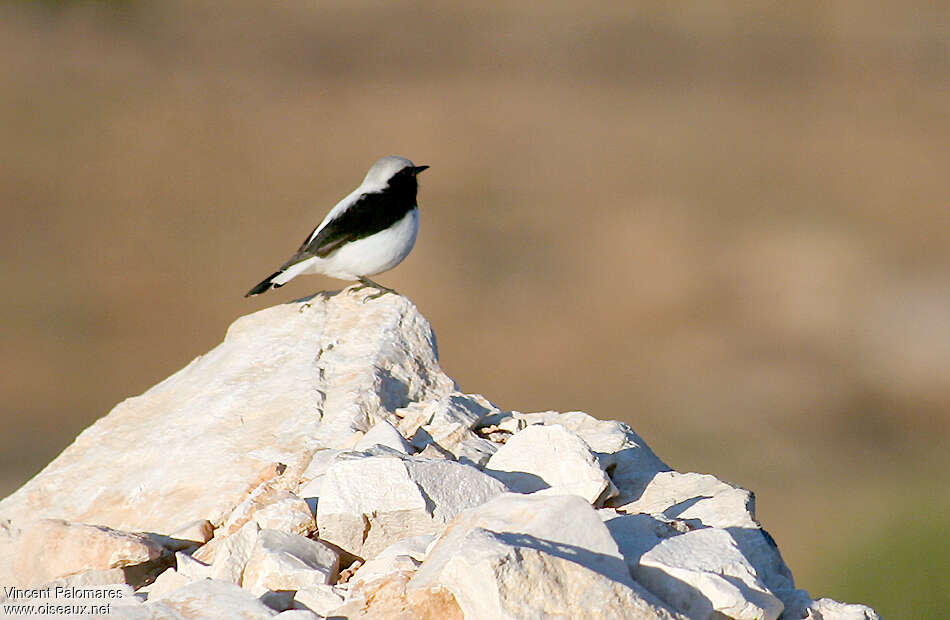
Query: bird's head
(388,169)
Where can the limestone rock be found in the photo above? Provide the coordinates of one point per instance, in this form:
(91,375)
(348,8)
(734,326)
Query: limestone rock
(384,434)
(165,584)
(703,574)
(448,423)
(201,600)
(297,614)
(231,558)
(827,609)
(198,531)
(286,381)
(191,568)
(283,561)
(704,498)
(492,559)
(369,502)
(287,513)
(281,600)
(552,459)
(301,417)
(416,547)
(53,548)
(321,599)
(622,453)
(388,597)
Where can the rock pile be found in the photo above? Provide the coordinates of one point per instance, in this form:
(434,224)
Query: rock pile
(319,463)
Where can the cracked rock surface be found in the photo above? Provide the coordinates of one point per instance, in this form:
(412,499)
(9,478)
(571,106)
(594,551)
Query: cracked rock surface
(319,463)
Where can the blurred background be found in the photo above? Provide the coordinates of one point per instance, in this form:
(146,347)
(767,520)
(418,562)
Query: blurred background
(725,223)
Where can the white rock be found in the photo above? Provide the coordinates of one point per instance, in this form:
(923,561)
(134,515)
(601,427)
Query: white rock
(415,547)
(387,597)
(311,481)
(283,383)
(297,614)
(231,558)
(827,609)
(636,534)
(448,423)
(198,531)
(200,600)
(493,558)
(379,567)
(433,451)
(165,584)
(384,434)
(191,568)
(563,520)
(282,561)
(702,500)
(281,600)
(321,599)
(622,453)
(553,459)
(474,450)
(372,501)
(287,513)
(51,548)
(703,573)
(699,497)
(264,424)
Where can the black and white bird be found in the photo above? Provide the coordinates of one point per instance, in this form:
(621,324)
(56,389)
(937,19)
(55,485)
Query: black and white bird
(370,231)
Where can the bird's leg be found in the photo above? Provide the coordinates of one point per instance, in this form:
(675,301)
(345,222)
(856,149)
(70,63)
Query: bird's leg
(367,283)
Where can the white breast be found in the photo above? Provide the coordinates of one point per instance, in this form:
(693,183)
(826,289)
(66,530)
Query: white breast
(371,255)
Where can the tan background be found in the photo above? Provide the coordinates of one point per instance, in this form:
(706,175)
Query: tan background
(725,223)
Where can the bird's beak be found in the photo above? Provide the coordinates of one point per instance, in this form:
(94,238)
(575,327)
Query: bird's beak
(418,169)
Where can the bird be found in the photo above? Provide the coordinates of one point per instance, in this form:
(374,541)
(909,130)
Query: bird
(368,232)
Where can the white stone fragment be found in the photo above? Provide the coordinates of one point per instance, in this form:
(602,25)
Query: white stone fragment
(379,567)
(636,534)
(198,531)
(475,450)
(703,498)
(622,453)
(287,513)
(165,584)
(320,599)
(231,558)
(261,431)
(281,600)
(552,459)
(370,502)
(191,568)
(448,423)
(297,614)
(703,573)
(208,599)
(492,559)
(285,381)
(282,561)
(415,547)
(53,548)
(432,451)
(384,434)
(563,520)
(827,609)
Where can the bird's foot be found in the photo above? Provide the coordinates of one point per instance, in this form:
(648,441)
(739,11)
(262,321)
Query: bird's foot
(367,283)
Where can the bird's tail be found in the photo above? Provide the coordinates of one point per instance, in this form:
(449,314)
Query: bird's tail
(266,284)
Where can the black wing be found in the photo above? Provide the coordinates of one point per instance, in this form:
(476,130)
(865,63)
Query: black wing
(371,213)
